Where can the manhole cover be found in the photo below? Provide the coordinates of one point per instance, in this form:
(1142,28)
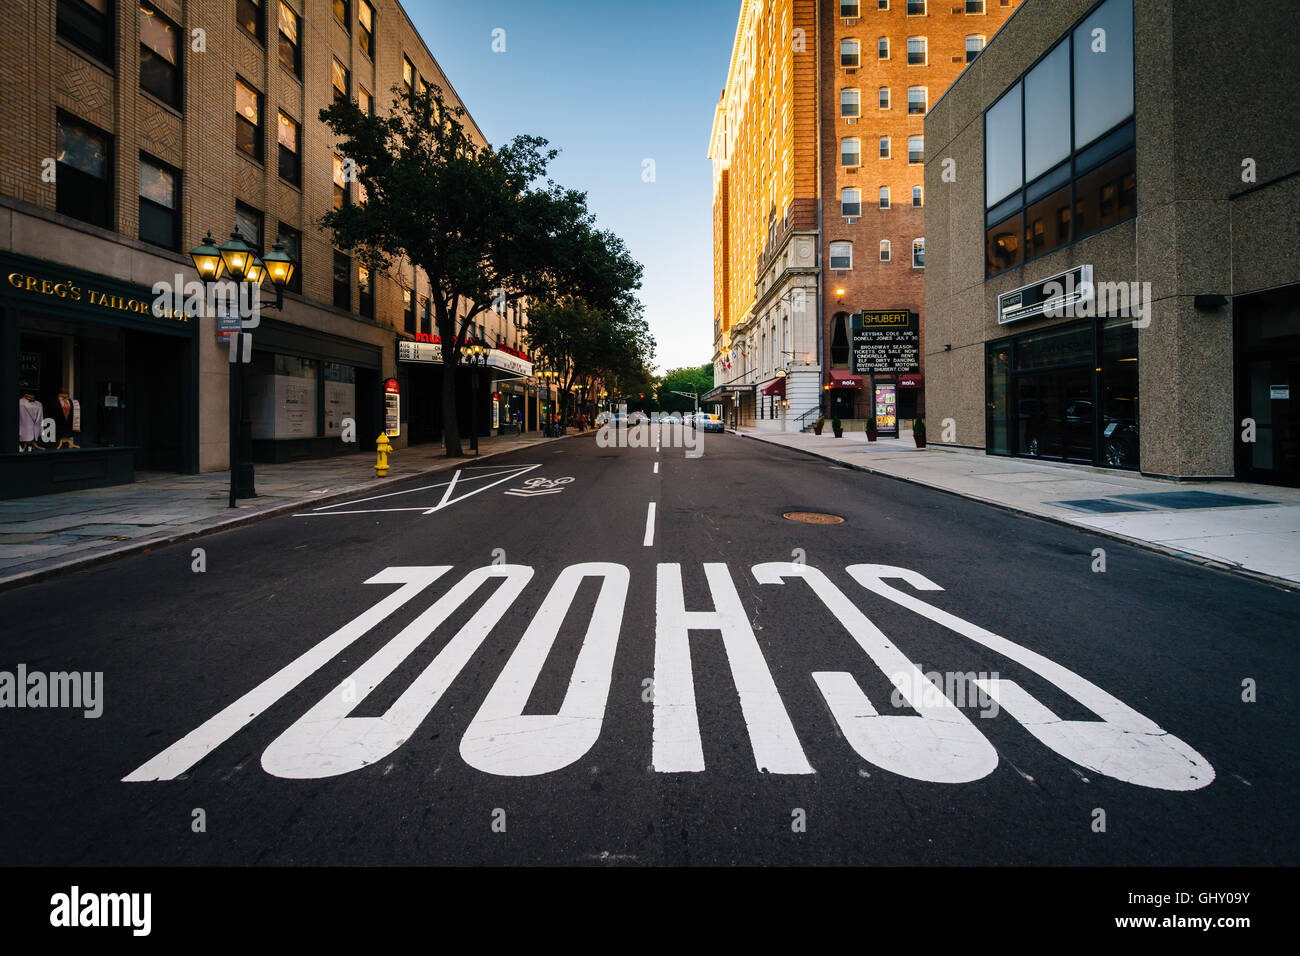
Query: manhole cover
(813,517)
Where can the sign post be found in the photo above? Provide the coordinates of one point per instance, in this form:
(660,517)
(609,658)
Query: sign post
(392,408)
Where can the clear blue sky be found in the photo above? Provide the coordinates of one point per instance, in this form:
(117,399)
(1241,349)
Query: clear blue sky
(609,84)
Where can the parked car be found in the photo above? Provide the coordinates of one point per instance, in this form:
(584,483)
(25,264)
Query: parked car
(672,418)
(711,423)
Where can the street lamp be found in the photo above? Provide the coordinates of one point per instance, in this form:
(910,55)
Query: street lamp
(474,356)
(240,260)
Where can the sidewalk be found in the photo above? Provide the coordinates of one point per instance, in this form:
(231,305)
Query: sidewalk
(50,533)
(1245,527)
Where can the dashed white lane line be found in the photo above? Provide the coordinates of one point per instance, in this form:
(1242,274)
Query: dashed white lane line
(656,468)
(649,526)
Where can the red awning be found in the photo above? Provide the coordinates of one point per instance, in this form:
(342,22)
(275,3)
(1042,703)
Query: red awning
(911,381)
(843,379)
(775,387)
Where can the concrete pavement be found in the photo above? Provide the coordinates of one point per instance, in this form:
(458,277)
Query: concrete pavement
(1257,533)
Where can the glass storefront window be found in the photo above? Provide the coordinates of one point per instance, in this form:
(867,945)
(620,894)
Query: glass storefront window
(1119,393)
(1071,345)
(71,386)
(282,393)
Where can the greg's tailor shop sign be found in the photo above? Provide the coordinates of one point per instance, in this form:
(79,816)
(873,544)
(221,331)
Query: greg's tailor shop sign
(886,343)
(70,291)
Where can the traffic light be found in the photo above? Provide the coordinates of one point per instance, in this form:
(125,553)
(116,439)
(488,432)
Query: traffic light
(643,394)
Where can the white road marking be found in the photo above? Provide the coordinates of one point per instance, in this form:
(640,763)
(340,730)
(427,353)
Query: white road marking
(501,739)
(446,501)
(677,747)
(212,733)
(649,526)
(326,741)
(1123,744)
(938,745)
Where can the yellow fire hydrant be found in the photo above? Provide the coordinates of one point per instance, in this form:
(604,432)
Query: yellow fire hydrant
(383,446)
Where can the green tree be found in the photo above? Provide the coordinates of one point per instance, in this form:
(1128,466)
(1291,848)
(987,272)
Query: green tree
(479,222)
(698,380)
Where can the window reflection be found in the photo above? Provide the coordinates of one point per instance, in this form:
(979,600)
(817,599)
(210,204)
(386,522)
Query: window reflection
(1002,245)
(1047,223)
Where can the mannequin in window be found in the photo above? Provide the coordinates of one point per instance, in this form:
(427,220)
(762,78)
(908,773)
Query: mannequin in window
(30,414)
(67,420)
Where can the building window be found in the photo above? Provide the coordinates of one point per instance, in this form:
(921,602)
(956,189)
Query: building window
(342,281)
(850,102)
(292,241)
(248,14)
(84,180)
(884,250)
(341,197)
(341,81)
(366,18)
(160,56)
(851,202)
(916,8)
(365,293)
(426,309)
(917,100)
(840,340)
(849,8)
(365,102)
(884,97)
(884,197)
(341,14)
(850,54)
(408,313)
(916,49)
(290,51)
(974,6)
(248,120)
(916,149)
(882,4)
(408,76)
(841,255)
(1059,145)
(918,253)
(248,221)
(916,195)
(290,164)
(850,151)
(160,200)
(882,48)
(974,44)
(884,147)
(89,25)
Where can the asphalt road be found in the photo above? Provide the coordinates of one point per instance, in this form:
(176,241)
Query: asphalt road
(372,743)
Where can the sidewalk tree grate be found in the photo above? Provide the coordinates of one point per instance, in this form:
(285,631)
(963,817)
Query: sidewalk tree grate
(812,517)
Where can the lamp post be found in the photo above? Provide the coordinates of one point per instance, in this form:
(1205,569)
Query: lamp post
(474,356)
(237,258)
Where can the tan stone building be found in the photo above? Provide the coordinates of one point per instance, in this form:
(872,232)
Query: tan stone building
(1116,282)
(134,128)
(818,151)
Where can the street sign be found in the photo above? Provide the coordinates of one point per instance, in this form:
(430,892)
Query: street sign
(392,408)
(887,343)
(241,346)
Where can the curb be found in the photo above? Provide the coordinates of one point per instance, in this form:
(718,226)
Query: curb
(1108,535)
(273,511)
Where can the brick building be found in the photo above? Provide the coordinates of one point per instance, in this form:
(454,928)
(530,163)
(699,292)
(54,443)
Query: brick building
(134,128)
(818,159)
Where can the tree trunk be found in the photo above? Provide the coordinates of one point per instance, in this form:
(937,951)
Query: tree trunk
(450,426)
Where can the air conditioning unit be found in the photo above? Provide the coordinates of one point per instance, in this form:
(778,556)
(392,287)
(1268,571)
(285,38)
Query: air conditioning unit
(850,120)
(850,21)
(851,220)
(850,70)
(958,59)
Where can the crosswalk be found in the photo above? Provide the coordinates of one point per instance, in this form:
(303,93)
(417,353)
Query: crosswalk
(927,737)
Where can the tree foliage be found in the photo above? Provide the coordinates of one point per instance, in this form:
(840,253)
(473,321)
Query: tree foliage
(697,379)
(484,225)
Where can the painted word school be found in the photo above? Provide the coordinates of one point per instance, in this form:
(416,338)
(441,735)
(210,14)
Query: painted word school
(935,742)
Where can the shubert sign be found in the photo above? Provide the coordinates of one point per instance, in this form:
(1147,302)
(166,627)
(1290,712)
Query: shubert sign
(886,343)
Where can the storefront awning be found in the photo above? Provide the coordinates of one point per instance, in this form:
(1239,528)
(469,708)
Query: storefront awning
(775,387)
(723,392)
(911,381)
(843,379)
